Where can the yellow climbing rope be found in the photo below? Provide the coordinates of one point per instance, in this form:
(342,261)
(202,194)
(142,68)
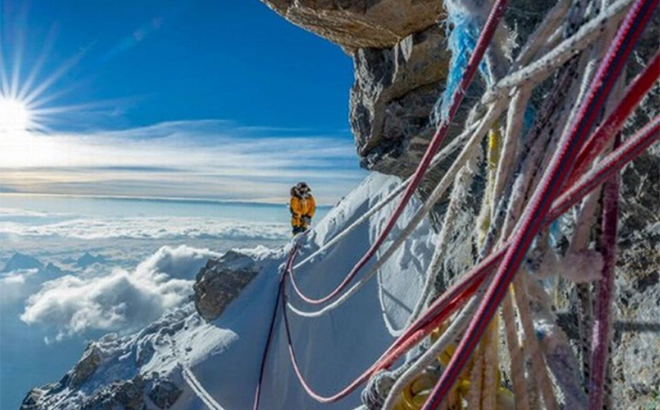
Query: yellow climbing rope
(493,159)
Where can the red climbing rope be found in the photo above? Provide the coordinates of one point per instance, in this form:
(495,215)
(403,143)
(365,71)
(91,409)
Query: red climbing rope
(634,94)
(264,357)
(475,59)
(550,186)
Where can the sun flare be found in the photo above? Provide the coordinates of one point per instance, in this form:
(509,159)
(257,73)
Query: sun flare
(15,116)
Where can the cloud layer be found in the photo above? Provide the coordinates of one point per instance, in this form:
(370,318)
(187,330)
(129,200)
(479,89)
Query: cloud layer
(192,159)
(121,300)
(150,227)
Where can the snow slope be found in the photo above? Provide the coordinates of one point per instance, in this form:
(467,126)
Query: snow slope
(220,361)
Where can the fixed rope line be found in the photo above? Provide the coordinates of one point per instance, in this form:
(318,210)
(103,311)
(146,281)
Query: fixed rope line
(264,357)
(480,127)
(199,390)
(449,301)
(444,184)
(610,165)
(473,64)
(550,186)
(459,293)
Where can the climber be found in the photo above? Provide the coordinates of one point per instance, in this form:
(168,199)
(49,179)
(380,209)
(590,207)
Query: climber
(302,207)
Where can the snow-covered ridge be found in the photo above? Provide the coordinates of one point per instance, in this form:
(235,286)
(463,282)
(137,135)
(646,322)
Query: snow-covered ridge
(183,362)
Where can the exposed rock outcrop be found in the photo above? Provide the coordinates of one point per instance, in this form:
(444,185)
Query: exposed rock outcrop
(391,100)
(221,281)
(164,393)
(86,366)
(360,23)
(125,394)
(113,373)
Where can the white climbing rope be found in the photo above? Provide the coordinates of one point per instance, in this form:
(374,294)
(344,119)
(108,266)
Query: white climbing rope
(199,390)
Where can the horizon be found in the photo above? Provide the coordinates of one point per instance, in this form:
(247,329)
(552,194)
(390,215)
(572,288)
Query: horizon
(273,201)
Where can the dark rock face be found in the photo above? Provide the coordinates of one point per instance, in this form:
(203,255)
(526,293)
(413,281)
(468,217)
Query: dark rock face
(164,393)
(30,401)
(125,394)
(394,92)
(636,340)
(221,281)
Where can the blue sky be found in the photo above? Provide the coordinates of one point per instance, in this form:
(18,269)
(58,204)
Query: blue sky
(178,80)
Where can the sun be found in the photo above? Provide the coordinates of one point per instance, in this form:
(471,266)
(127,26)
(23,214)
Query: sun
(15,116)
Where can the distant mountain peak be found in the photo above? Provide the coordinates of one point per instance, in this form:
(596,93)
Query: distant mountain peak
(22,261)
(87,259)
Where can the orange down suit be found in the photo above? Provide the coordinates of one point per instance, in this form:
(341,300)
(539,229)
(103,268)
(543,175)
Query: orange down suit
(301,207)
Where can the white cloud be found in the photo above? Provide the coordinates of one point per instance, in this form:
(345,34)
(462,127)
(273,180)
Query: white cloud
(177,262)
(16,285)
(17,277)
(120,300)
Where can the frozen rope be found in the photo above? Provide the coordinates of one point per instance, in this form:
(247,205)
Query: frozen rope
(468,152)
(466,19)
(517,373)
(532,344)
(553,19)
(514,126)
(586,218)
(551,185)
(546,65)
(373,395)
(558,352)
(604,134)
